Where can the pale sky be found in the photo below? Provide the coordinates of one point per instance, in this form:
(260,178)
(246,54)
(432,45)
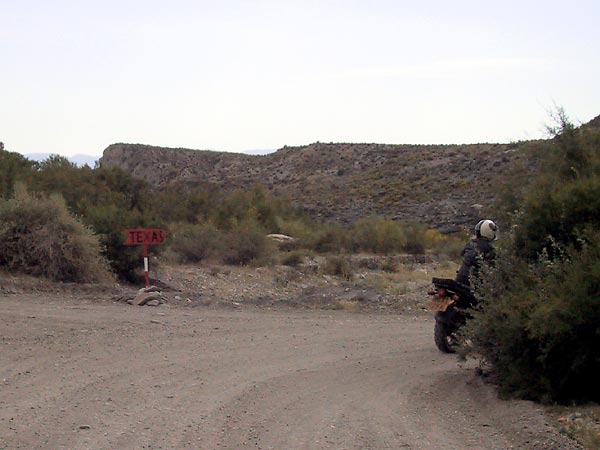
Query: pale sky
(234,75)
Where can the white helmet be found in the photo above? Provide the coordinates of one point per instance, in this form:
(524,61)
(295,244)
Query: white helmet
(486,229)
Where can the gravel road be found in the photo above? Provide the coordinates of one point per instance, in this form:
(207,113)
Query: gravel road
(79,373)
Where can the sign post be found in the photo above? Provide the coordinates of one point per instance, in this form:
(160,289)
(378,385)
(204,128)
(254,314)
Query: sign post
(145,237)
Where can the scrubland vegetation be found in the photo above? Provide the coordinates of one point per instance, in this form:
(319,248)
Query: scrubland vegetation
(538,322)
(203,224)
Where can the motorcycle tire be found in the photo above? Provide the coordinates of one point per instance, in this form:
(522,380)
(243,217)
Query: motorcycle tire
(444,340)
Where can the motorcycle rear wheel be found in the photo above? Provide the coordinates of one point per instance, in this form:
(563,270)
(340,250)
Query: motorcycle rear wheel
(445,341)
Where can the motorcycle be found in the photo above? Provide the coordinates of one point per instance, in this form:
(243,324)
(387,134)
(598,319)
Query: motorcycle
(450,300)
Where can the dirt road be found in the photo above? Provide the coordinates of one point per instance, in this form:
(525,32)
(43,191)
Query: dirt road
(78,374)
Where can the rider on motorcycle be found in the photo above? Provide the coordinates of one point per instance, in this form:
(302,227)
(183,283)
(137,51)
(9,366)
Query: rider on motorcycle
(453,297)
(478,249)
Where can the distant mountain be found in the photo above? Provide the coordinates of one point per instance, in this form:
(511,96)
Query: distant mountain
(80,160)
(448,187)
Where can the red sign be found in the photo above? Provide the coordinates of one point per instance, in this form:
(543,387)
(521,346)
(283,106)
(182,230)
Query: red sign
(145,236)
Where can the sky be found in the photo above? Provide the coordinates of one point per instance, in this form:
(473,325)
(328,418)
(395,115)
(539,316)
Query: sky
(235,75)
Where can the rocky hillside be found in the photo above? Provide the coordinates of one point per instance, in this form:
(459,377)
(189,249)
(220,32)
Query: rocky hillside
(446,186)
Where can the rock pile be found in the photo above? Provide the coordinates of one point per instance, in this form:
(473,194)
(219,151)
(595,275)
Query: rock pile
(150,296)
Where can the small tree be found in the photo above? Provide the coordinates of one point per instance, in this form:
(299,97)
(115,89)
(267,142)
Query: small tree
(13,168)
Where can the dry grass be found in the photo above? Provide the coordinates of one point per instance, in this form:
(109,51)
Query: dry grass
(346,305)
(407,276)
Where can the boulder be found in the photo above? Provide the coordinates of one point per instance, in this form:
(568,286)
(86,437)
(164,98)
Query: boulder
(281,238)
(144,297)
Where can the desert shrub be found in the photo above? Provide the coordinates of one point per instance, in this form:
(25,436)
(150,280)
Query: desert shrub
(302,230)
(338,266)
(314,235)
(389,265)
(415,239)
(195,243)
(386,236)
(566,197)
(377,235)
(444,245)
(39,236)
(245,206)
(330,238)
(559,212)
(245,243)
(292,245)
(373,235)
(293,259)
(538,323)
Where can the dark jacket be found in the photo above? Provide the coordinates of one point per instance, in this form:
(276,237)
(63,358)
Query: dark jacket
(476,251)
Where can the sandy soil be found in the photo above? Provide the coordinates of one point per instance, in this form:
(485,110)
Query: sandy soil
(81,371)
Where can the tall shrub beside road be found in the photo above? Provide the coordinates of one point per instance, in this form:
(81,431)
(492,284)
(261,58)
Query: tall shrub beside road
(38,236)
(539,320)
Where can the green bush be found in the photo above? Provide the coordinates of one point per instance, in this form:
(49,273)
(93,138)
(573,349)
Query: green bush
(195,243)
(245,243)
(302,230)
(338,266)
(377,235)
(415,239)
(330,238)
(386,236)
(38,236)
(538,323)
(389,265)
(314,235)
(566,197)
(245,206)
(444,245)
(293,259)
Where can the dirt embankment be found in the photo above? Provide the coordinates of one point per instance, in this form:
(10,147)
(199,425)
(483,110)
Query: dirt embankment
(79,369)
